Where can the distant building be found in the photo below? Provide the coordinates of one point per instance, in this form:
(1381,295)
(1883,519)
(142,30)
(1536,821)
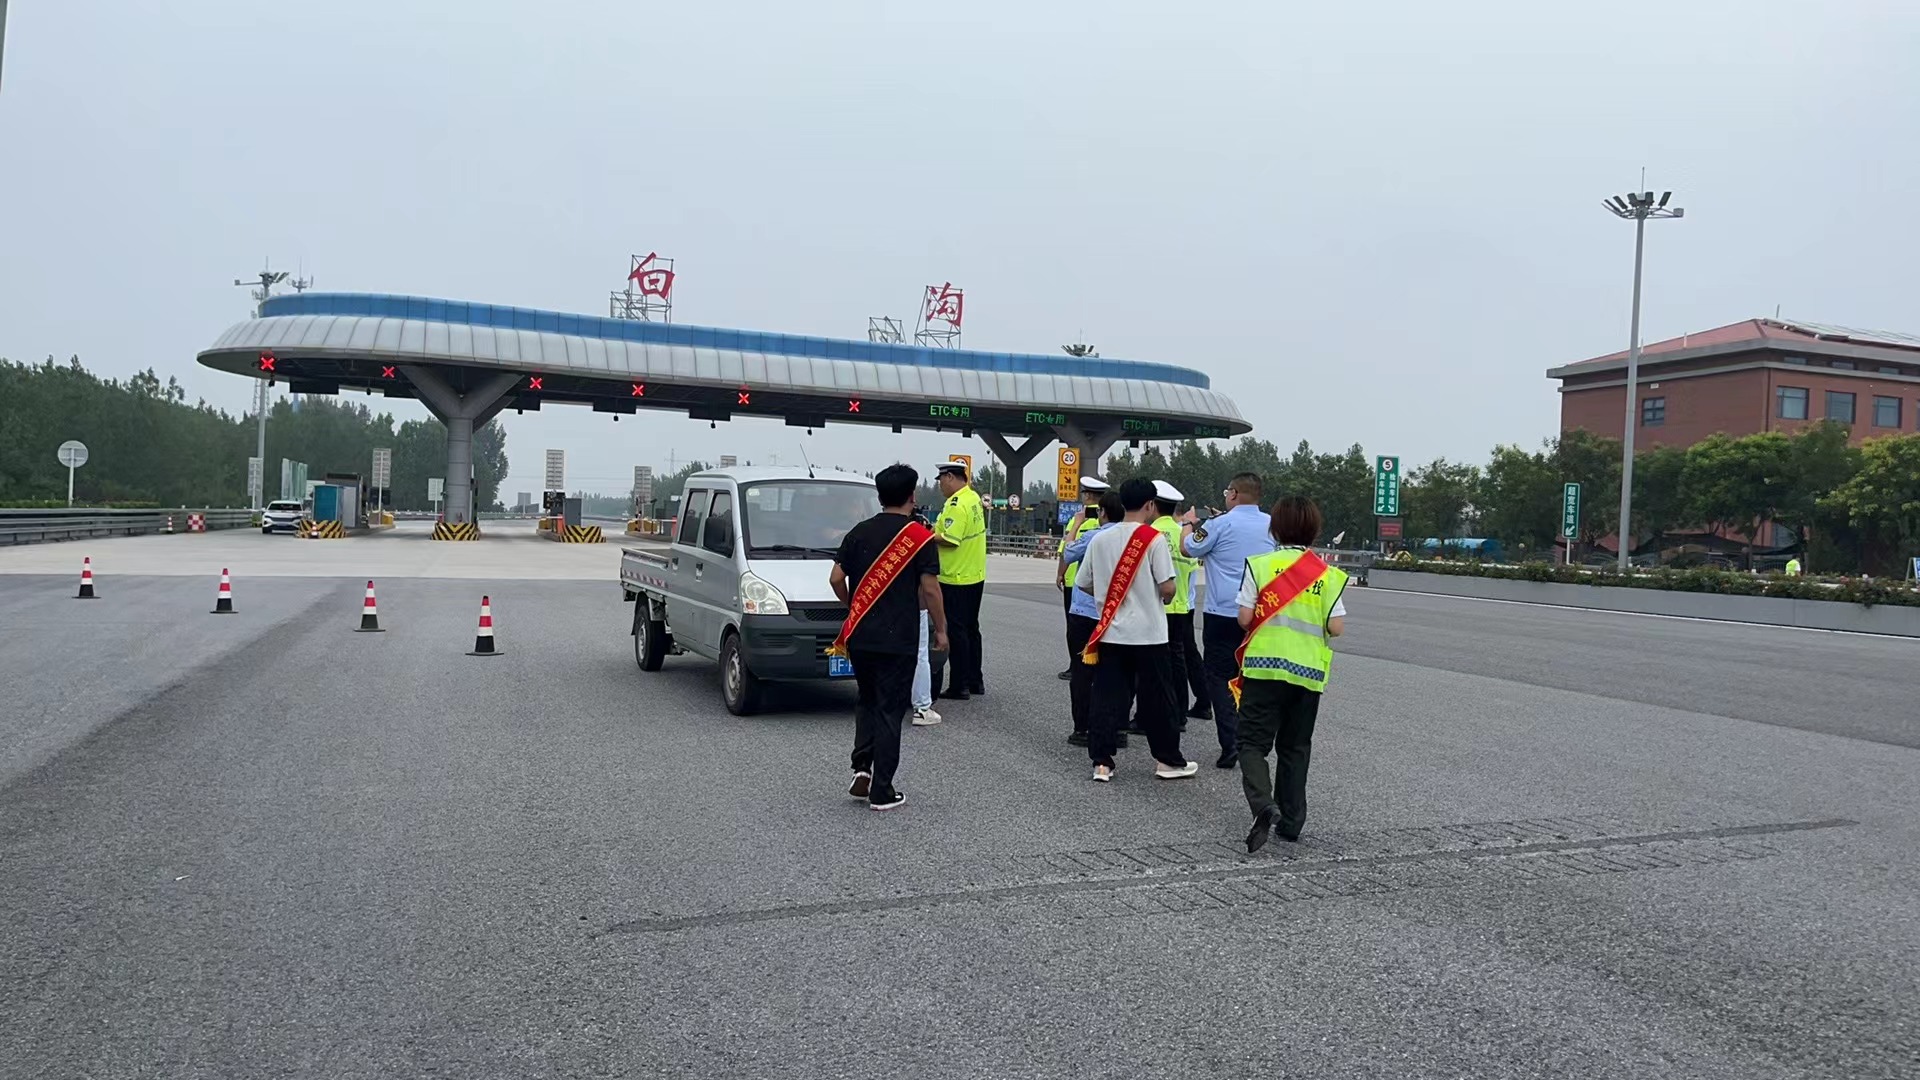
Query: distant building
(1751,376)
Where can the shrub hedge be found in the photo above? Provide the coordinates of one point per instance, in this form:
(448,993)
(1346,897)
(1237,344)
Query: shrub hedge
(1723,582)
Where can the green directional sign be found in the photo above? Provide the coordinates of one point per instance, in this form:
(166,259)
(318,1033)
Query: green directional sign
(1570,511)
(1386,486)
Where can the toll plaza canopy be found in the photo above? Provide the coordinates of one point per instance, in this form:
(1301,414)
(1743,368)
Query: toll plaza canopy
(467,361)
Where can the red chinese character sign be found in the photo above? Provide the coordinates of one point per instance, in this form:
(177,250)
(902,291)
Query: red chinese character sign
(941,309)
(654,279)
(648,295)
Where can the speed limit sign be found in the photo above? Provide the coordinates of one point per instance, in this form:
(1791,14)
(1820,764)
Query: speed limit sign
(1066,484)
(1013,502)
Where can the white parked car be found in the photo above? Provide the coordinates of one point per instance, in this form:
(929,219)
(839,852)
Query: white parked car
(282,515)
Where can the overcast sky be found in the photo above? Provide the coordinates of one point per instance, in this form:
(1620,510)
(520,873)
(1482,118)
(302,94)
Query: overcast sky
(1371,223)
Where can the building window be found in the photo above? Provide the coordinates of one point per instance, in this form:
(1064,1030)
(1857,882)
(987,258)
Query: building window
(1801,360)
(1653,411)
(1791,402)
(1884,370)
(1840,406)
(1886,411)
(1843,365)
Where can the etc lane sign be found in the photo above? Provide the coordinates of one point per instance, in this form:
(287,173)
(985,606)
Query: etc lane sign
(1570,511)
(1386,486)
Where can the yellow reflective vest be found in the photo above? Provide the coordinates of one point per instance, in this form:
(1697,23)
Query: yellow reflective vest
(1292,645)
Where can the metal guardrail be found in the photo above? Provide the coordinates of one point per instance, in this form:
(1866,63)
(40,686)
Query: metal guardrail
(41,526)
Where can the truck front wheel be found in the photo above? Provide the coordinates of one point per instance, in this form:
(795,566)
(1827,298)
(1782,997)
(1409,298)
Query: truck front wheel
(738,685)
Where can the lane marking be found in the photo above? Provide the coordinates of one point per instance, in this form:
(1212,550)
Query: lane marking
(1642,614)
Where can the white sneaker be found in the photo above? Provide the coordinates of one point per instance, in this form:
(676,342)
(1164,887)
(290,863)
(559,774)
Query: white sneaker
(1175,772)
(1102,774)
(925,718)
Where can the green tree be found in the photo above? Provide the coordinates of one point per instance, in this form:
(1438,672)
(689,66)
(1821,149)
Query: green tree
(1438,499)
(1882,499)
(1520,499)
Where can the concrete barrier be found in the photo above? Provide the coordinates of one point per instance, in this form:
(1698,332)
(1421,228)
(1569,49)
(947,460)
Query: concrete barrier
(1763,610)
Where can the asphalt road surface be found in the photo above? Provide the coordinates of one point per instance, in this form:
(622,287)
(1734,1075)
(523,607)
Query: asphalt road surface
(1541,843)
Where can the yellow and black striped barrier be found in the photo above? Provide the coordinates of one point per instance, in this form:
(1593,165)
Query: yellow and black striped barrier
(456,530)
(580,534)
(320,530)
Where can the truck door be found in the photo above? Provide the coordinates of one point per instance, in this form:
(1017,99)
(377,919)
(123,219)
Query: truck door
(715,566)
(686,600)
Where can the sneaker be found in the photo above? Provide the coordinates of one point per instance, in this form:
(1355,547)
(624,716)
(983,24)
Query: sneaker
(862,784)
(1262,828)
(1175,772)
(887,802)
(954,695)
(925,718)
(1228,759)
(1200,712)
(1121,742)
(1102,774)
(1065,675)
(1134,727)
(977,691)
(1078,738)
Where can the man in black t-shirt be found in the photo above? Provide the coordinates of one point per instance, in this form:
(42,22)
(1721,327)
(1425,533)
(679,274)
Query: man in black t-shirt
(884,643)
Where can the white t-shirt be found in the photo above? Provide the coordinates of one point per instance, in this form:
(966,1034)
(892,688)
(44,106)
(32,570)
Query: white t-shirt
(1142,618)
(1250,595)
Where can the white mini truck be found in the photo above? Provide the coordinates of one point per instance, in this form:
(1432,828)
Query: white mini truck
(743,581)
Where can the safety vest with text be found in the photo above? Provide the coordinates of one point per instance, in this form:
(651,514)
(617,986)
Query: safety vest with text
(1183,564)
(1076,528)
(1292,645)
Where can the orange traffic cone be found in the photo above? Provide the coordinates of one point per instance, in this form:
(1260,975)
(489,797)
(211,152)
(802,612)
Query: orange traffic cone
(483,640)
(86,580)
(224,604)
(369,614)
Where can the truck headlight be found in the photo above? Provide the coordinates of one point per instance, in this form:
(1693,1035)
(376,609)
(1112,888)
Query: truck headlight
(757,597)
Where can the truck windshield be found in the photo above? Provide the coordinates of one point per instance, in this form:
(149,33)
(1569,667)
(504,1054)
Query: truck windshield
(802,519)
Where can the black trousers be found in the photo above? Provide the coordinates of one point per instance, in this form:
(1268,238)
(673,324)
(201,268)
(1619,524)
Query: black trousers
(1277,716)
(1080,689)
(1222,636)
(1123,672)
(1190,670)
(1183,658)
(886,693)
(963,635)
(1066,604)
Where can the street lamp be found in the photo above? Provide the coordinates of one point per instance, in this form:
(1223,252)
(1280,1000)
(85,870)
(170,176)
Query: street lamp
(1637,207)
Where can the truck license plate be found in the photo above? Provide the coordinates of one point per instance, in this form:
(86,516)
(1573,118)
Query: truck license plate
(839,667)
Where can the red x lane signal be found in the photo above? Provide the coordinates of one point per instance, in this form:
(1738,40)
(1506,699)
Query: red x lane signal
(853,404)
(533,382)
(639,389)
(387,372)
(745,397)
(267,360)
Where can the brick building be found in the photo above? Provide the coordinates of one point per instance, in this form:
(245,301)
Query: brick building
(1751,376)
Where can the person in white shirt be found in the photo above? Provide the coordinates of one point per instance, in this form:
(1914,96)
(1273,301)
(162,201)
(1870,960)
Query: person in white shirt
(1131,650)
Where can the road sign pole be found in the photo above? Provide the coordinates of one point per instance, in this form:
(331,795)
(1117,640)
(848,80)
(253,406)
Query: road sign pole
(69,487)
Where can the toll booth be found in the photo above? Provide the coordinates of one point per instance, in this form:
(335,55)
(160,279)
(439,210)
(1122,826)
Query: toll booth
(337,501)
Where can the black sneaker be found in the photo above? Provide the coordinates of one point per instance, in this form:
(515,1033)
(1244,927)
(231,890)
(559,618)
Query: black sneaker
(955,695)
(1200,712)
(1065,675)
(862,785)
(978,690)
(1228,759)
(1121,742)
(1134,727)
(1262,829)
(1078,738)
(887,801)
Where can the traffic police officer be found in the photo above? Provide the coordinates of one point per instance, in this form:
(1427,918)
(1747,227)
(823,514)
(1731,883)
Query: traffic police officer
(1091,489)
(961,532)
(1184,652)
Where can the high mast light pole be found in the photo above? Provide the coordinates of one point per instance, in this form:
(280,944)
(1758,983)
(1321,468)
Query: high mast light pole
(1636,206)
(262,286)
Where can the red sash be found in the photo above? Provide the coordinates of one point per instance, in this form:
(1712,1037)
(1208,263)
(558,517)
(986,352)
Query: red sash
(879,577)
(1131,557)
(1277,594)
